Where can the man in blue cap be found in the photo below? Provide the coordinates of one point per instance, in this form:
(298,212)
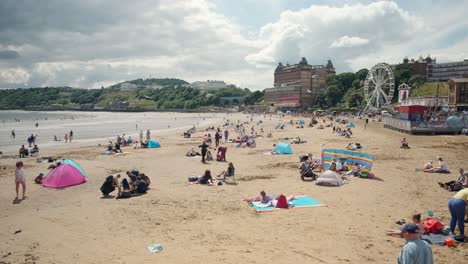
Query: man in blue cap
(415,251)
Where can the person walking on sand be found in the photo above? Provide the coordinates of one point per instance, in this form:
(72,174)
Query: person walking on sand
(13,134)
(226,135)
(71,135)
(204,149)
(20,179)
(148,135)
(415,251)
(66,137)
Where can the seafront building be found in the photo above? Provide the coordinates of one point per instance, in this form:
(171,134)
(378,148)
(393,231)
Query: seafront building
(458,93)
(297,86)
(442,72)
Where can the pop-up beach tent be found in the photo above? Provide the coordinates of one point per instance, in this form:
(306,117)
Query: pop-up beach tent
(74,164)
(153,144)
(351,124)
(348,158)
(63,176)
(283,148)
(329,178)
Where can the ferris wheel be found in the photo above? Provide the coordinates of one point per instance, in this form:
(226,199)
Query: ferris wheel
(379,87)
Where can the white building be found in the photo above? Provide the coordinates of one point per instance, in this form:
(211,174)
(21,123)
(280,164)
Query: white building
(127,86)
(209,84)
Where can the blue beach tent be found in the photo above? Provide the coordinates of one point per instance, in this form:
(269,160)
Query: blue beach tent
(283,148)
(153,144)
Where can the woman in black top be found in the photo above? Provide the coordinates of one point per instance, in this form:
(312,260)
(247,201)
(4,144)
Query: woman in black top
(204,149)
(206,178)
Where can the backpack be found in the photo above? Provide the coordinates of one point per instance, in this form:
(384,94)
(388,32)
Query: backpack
(282,202)
(432,225)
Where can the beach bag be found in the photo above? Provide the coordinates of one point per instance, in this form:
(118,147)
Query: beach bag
(282,202)
(432,225)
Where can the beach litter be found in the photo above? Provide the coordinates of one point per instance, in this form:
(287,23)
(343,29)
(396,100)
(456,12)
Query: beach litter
(155,248)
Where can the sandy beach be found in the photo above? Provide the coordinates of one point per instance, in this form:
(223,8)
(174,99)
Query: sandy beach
(212,224)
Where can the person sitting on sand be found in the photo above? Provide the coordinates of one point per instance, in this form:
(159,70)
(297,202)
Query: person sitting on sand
(144,144)
(460,183)
(145,178)
(209,156)
(355,171)
(206,178)
(443,167)
(132,176)
(416,220)
(269,135)
(306,170)
(139,186)
(124,190)
(34,151)
(117,148)
(338,166)
(428,165)
(23,152)
(192,153)
(404,144)
(39,178)
(229,172)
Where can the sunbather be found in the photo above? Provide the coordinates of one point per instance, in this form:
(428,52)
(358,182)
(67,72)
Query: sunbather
(206,178)
(416,220)
(192,153)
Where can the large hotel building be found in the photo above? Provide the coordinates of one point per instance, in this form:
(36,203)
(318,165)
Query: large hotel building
(442,72)
(297,86)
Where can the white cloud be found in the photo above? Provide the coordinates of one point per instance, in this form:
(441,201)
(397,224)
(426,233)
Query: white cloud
(92,43)
(348,42)
(312,31)
(14,76)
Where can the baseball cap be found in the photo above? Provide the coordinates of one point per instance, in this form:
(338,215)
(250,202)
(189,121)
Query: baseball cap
(410,228)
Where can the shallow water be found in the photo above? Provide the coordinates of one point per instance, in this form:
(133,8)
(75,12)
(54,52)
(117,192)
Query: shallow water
(89,126)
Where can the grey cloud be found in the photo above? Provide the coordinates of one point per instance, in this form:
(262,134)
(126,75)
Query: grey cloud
(9,55)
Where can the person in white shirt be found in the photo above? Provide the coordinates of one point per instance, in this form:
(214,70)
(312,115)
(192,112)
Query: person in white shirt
(339,167)
(20,179)
(443,167)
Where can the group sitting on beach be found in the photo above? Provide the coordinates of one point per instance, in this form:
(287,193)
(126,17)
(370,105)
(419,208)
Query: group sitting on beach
(442,168)
(137,183)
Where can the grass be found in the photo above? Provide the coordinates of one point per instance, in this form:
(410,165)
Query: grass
(430,89)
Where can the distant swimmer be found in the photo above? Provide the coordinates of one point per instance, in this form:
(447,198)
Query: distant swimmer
(37,124)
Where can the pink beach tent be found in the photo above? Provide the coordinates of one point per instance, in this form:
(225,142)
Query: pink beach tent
(63,176)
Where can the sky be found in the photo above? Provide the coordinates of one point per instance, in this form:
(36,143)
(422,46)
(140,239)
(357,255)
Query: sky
(95,43)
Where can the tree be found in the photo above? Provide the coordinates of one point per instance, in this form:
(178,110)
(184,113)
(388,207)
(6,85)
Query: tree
(333,94)
(361,74)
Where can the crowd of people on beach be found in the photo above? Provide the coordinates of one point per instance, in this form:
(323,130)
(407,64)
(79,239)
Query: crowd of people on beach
(136,183)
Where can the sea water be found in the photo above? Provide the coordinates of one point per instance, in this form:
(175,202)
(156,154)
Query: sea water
(90,126)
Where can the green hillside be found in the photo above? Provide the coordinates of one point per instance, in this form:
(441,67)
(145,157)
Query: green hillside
(430,89)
